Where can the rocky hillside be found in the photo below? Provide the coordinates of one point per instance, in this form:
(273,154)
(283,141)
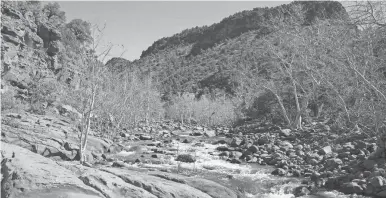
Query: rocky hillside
(31,47)
(205,57)
(233,26)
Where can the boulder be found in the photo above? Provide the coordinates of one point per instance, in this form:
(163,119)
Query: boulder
(236,142)
(263,140)
(381,194)
(118,164)
(369,164)
(351,188)
(187,141)
(235,161)
(186,158)
(196,133)
(48,136)
(221,142)
(210,133)
(145,137)
(325,150)
(279,172)
(224,154)
(285,132)
(377,181)
(222,148)
(298,147)
(253,149)
(285,145)
(301,191)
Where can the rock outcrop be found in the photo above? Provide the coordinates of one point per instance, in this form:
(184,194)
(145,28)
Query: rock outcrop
(49,136)
(30,48)
(26,174)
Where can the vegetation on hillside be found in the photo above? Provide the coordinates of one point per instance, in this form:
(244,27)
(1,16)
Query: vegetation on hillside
(289,64)
(299,64)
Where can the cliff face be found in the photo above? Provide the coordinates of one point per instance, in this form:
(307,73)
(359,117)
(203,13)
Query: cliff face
(30,49)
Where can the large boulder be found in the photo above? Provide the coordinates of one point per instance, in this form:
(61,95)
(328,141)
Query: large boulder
(351,188)
(48,136)
(26,174)
(210,133)
(67,110)
(369,164)
(325,150)
(285,132)
(188,158)
(236,142)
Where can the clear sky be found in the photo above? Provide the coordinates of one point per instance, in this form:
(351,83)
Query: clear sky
(136,25)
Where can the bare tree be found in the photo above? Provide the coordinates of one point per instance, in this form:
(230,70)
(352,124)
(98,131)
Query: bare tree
(91,84)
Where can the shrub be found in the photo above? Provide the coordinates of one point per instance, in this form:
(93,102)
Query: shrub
(9,102)
(42,95)
(185,158)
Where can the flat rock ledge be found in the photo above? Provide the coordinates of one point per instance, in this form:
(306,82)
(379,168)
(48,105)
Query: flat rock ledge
(27,174)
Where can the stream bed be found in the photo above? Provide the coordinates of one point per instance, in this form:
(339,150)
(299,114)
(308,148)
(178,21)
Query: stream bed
(248,180)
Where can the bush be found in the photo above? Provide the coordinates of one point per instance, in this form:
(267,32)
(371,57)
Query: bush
(42,95)
(185,158)
(216,112)
(9,102)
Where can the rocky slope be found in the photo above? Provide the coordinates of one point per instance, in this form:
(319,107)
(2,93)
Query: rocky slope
(30,49)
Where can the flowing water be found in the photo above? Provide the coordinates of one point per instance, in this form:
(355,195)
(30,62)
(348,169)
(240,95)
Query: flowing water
(250,180)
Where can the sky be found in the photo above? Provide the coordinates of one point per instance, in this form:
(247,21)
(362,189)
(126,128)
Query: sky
(137,24)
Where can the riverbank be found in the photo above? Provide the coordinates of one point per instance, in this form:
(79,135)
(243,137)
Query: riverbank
(265,161)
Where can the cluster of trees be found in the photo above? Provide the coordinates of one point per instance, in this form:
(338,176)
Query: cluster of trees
(307,60)
(219,111)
